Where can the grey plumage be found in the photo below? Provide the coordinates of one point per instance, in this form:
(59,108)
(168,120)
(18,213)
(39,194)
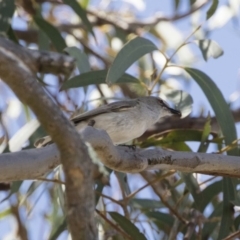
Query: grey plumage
(123,120)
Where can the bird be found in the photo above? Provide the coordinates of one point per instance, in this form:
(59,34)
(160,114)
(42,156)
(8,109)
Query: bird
(123,120)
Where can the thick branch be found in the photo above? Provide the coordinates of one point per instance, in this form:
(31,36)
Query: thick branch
(47,62)
(17,68)
(34,163)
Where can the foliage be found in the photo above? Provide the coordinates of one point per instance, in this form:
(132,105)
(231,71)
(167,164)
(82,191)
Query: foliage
(119,54)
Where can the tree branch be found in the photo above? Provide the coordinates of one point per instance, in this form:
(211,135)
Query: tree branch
(18,68)
(33,163)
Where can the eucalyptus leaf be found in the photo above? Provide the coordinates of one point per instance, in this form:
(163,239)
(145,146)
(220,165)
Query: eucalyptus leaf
(219,105)
(193,187)
(164,221)
(146,204)
(95,77)
(130,52)
(212,9)
(127,226)
(209,48)
(81,58)
(182,101)
(208,194)
(75,5)
(205,134)
(7,8)
(210,226)
(53,34)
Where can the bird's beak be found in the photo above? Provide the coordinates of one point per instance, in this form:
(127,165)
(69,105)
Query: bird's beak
(176,112)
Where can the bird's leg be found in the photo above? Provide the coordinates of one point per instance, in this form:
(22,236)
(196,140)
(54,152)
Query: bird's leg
(91,122)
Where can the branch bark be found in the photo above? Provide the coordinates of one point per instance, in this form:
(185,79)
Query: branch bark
(18,67)
(33,163)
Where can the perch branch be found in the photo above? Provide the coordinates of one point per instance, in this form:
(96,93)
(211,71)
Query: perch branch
(34,163)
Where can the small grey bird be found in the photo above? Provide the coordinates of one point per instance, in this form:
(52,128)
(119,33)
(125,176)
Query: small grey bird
(123,120)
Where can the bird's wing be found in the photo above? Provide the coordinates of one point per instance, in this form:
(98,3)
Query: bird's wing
(112,107)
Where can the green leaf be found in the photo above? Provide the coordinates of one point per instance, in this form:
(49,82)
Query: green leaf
(212,9)
(177,146)
(175,136)
(127,226)
(210,226)
(226,122)
(208,194)
(176,4)
(84,3)
(53,34)
(43,41)
(11,35)
(5,213)
(143,203)
(81,58)
(95,77)
(209,48)
(182,100)
(164,221)
(59,225)
(228,211)
(219,105)
(131,51)
(192,2)
(193,187)
(7,8)
(81,13)
(206,132)
(123,182)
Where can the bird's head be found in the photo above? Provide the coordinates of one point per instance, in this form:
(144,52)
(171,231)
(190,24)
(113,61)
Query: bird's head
(157,104)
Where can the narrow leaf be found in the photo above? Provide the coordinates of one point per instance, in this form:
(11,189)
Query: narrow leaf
(209,48)
(226,122)
(212,9)
(176,4)
(131,51)
(127,226)
(228,211)
(219,105)
(143,203)
(211,225)
(164,221)
(81,13)
(208,194)
(192,186)
(59,226)
(95,77)
(11,35)
(7,8)
(81,58)
(206,132)
(182,101)
(53,34)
